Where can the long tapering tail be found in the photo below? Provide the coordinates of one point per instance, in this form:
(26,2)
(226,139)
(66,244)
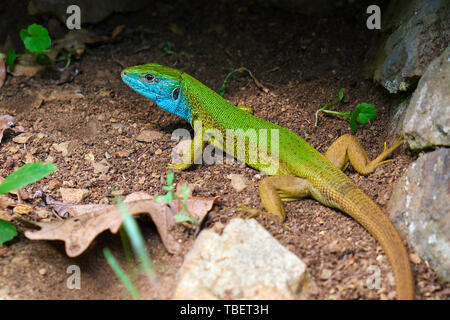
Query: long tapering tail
(360,207)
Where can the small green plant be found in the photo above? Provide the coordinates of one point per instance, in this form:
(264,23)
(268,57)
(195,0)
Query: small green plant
(20,178)
(130,233)
(363,112)
(223,89)
(184,214)
(167,50)
(37,41)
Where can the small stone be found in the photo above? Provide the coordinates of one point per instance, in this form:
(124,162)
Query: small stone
(414,258)
(101,167)
(238,182)
(89,157)
(158,152)
(29,158)
(22,209)
(42,213)
(42,271)
(13,150)
(124,153)
(149,136)
(142,180)
(25,137)
(66,148)
(54,184)
(73,195)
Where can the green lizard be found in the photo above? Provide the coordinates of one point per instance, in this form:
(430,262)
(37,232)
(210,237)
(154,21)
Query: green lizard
(296,170)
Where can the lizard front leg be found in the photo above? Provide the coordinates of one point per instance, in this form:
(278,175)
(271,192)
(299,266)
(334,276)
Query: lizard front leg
(347,149)
(193,153)
(275,189)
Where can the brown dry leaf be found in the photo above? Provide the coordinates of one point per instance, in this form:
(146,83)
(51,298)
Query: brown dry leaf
(63,95)
(2,70)
(90,220)
(27,65)
(76,40)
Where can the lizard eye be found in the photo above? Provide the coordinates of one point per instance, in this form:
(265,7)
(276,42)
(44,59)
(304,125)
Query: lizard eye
(149,77)
(175,93)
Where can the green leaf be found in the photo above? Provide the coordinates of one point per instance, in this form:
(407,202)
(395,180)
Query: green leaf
(367,113)
(11,58)
(222,90)
(159,198)
(35,38)
(354,117)
(185,191)
(180,217)
(25,175)
(341,95)
(43,59)
(7,231)
(170,176)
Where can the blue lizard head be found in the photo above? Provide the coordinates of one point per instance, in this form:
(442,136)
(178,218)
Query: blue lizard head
(161,84)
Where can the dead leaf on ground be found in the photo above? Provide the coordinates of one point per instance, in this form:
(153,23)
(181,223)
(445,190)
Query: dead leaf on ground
(27,65)
(75,41)
(79,231)
(8,122)
(68,75)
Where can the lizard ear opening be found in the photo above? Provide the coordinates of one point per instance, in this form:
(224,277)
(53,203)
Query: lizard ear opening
(175,93)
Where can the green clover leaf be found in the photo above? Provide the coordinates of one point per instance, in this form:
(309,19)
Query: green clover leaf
(35,38)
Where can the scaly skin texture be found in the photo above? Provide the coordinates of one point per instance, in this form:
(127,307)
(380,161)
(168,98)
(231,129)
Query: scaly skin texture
(298,171)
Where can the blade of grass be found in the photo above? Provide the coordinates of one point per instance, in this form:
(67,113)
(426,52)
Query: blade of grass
(137,241)
(120,273)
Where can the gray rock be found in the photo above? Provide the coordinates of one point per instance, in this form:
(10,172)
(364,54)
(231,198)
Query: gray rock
(421,33)
(420,209)
(91,11)
(427,120)
(245,262)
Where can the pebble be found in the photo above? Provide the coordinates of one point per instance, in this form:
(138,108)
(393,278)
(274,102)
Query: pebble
(66,148)
(73,195)
(415,258)
(42,213)
(124,153)
(25,137)
(42,271)
(149,136)
(22,209)
(238,182)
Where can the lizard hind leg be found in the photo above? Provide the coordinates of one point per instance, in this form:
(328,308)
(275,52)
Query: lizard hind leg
(347,149)
(275,189)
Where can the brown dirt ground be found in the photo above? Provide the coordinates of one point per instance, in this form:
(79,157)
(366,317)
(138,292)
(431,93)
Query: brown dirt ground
(304,61)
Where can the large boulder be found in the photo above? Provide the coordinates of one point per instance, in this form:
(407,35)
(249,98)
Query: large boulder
(427,119)
(420,209)
(413,34)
